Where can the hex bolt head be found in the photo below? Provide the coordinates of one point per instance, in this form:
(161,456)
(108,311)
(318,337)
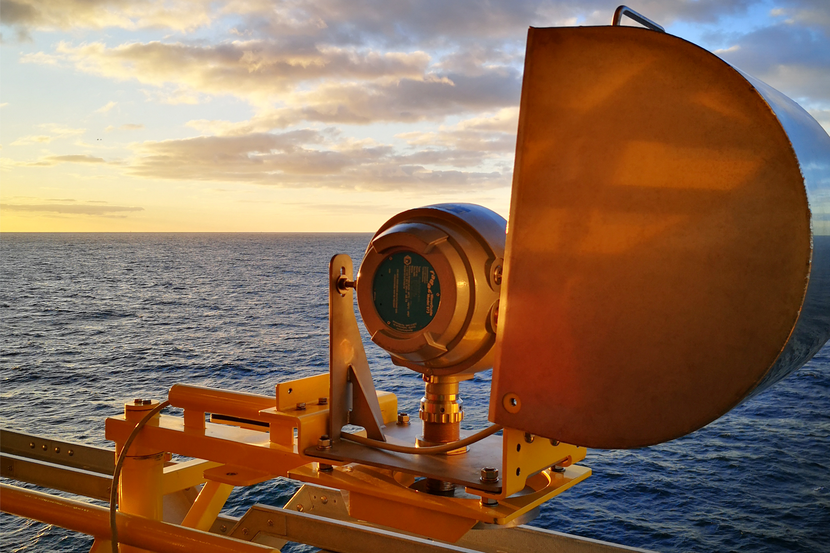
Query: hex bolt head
(270,522)
(245,531)
(300,508)
(529,437)
(324,499)
(323,401)
(403,419)
(57,450)
(324,442)
(32,445)
(301,406)
(223,528)
(489,474)
(70,452)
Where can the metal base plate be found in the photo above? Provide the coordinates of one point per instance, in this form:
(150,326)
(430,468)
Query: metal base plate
(463,469)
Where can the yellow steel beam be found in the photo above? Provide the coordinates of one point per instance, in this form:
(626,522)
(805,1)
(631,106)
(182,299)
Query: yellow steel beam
(207,506)
(220,443)
(185,475)
(132,530)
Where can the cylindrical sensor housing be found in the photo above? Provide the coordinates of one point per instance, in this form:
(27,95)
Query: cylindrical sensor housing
(428,287)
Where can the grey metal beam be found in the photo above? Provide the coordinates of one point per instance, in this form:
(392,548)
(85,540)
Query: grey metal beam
(90,458)
(49,475)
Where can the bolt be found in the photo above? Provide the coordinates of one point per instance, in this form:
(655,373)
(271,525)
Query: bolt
(223,528)
(43,447)
(57,450)
(300,508)
(245,531)
(497,274)
(488,502)
(529,437)
(554,443)
(323,401)
(343,282)
(325,467)
(270,522)
(403,419)
(138,401)
(324,499)
(558,469)
(301,406)
(146,402)
(70,452)
(324,442)
(32,445)
(489,475)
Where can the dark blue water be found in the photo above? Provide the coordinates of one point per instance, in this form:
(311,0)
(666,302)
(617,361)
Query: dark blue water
(91,320)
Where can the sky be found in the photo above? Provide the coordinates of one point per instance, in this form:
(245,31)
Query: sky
(304,116)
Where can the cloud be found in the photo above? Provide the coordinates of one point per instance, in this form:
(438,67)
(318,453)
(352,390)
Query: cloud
(27,15)
(54,160)
(251,69)
(106,108)
(306,158)
(55,132)
(95,209)
(50,161)
(131,127)
(791,58)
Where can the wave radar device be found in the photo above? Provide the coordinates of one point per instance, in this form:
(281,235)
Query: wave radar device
(667,257)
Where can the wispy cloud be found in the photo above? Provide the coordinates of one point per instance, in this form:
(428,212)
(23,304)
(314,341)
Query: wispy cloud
(106,108)
(52,132)
(95,209)
(296,159)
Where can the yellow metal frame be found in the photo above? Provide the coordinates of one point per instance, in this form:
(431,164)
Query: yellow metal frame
(240,456)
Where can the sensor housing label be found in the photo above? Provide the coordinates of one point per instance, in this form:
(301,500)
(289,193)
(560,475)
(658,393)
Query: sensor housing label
(406,291)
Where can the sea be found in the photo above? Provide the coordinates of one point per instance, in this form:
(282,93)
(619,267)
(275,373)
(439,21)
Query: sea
(90,321)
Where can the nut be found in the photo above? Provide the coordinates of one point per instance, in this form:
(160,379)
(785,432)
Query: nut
(403,419)
(489,474)
(324,442)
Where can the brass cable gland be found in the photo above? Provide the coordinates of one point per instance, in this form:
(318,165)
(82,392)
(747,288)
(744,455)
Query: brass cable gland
(441,402)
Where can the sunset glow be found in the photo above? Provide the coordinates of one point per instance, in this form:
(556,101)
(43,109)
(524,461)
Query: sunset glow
(330,115)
